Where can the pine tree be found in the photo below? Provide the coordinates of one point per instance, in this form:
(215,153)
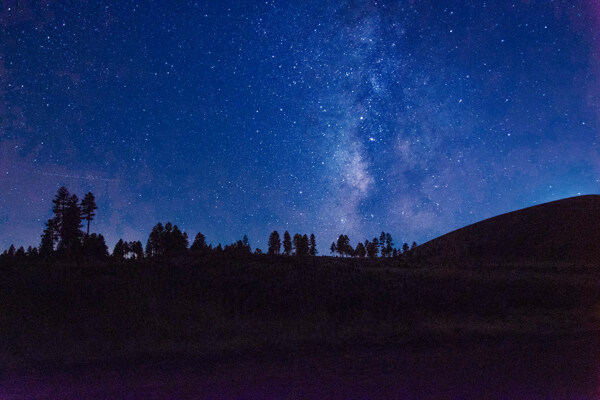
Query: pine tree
(287,243)
(360,250)
(199,244)
(246,244)
(49,238)
(137,250)
(349,250)
(313,245)
(32,252)
(333,248)
(274,243)
(389,245)
(405,248)
(166,240)
(66,222)
(343,246)
(176,241)
(88,208)
(20,254)
(119,250)
(340,246)
(303,249)
(59,207)
(372,248)
(296,243)
(70,227)
(155,245)
(95,246)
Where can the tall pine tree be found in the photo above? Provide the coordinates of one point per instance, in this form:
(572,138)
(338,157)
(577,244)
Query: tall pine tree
(287,243)
(66,223)
(274,243)
(88,208)
(49,238)
(313,245)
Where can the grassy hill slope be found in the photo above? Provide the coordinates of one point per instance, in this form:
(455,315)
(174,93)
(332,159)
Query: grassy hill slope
(566,230)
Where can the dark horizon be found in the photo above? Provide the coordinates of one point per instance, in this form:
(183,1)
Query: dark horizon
(409,118)
(353,242)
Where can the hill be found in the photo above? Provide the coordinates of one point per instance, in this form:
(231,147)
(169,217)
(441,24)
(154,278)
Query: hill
(566,230)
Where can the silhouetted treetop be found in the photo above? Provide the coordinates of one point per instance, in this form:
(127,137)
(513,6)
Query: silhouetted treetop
(287,243)
(88,208)
(199,244)
(166,240)
(274,243)
(313,245)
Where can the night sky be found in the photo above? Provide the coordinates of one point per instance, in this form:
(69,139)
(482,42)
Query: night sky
(243,117)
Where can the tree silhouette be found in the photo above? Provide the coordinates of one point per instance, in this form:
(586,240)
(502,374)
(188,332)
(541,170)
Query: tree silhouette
(372,248)
(301,246)
(166,240)
(382,243)
(119,250)
(59,207)
(304,245)
(49,238)
(176,242)
(155,245)
(70,240)
(360,250)
(333,248)
(137,249)
(239,248)
(199,245)
(313,245)
(32,252)
(405,248)
(389,245)
(246,244)
(94,246)
(343,246)
(88,208)
(20,254)
(287,243)
(349,249)
(340,246)
(274,243)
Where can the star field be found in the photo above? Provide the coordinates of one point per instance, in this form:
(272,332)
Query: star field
(233,118)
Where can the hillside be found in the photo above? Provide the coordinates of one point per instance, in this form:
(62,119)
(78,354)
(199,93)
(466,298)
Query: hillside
(566,230)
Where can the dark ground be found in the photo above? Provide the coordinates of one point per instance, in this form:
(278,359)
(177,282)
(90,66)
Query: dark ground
(565,368)
(274,327)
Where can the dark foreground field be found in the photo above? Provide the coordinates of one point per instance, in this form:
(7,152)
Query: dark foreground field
(266,327)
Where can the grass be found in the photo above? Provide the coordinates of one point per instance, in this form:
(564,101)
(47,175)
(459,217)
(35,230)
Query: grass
(66,313)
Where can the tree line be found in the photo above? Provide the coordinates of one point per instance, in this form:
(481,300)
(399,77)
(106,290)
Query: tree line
(63,237)
(383,245)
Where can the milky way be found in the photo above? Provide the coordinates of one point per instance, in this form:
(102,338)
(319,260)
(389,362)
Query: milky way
(233,118)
